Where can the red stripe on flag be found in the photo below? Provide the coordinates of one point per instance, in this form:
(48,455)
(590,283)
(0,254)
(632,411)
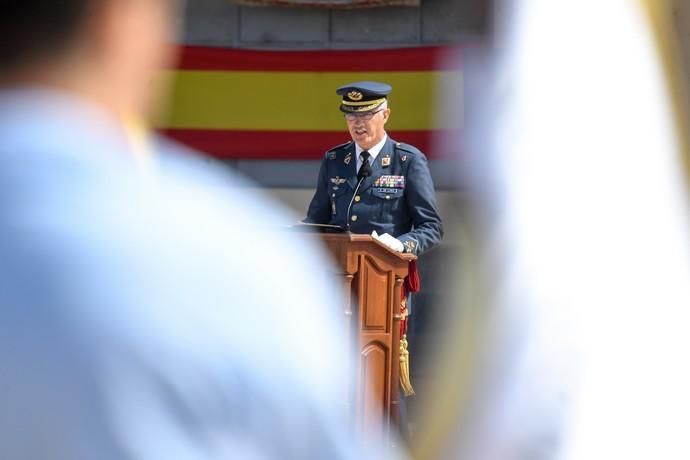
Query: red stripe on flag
(424,58)
(301,145)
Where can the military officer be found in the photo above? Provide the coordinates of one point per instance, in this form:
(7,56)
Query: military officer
(373,183)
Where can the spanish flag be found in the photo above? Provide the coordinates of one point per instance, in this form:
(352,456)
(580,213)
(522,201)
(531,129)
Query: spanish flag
(249,104)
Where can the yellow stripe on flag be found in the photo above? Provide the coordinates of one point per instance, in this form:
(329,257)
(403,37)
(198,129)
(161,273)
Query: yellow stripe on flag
(306,101)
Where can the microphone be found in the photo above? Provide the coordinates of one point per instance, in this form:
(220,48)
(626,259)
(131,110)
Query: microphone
(364,172)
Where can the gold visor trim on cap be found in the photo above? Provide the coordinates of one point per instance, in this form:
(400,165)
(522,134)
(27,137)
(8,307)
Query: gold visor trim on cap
(357,104)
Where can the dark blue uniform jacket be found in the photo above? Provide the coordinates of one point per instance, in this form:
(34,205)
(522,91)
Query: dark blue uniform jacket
(398,198)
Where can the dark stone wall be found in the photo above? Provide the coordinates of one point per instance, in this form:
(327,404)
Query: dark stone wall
(221,23)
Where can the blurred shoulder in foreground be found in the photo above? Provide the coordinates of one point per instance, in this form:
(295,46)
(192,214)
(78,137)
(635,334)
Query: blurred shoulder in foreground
(149,309)
(159,315)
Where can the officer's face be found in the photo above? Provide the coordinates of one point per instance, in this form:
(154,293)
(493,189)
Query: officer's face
(367,133)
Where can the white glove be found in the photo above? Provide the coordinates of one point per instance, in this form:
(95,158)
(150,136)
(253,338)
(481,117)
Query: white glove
(390,241)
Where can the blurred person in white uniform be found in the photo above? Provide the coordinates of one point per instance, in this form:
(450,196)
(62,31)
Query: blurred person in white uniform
(144,315)
(572,337)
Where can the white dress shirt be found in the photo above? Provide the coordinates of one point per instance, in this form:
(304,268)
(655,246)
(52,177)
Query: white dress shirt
(373,152)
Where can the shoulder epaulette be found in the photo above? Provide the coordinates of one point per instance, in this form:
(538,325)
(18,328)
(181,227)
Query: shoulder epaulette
(407,147)
(330,153)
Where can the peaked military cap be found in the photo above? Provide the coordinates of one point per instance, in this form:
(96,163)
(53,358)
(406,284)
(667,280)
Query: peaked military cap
(363,96)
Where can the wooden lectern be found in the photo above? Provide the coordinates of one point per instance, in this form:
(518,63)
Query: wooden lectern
(372,277)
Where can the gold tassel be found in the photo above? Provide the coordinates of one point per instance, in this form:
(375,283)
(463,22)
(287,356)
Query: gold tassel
(405,383)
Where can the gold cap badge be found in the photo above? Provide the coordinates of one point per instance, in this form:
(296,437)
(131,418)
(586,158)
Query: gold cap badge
(355,95)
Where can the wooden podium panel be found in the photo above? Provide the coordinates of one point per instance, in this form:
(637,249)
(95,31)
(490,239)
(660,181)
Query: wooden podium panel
(372,277)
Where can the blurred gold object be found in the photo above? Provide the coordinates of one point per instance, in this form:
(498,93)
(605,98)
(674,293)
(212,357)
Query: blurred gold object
(139,137)
(665,18)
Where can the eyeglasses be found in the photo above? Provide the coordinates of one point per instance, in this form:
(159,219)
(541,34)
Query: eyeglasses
(366,116)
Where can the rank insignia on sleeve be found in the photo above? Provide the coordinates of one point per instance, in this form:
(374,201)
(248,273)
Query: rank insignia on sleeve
(331,155)
(386,161)
(337,180)
(348,158)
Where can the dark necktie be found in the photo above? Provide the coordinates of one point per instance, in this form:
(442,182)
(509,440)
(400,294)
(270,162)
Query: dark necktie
(365,169)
